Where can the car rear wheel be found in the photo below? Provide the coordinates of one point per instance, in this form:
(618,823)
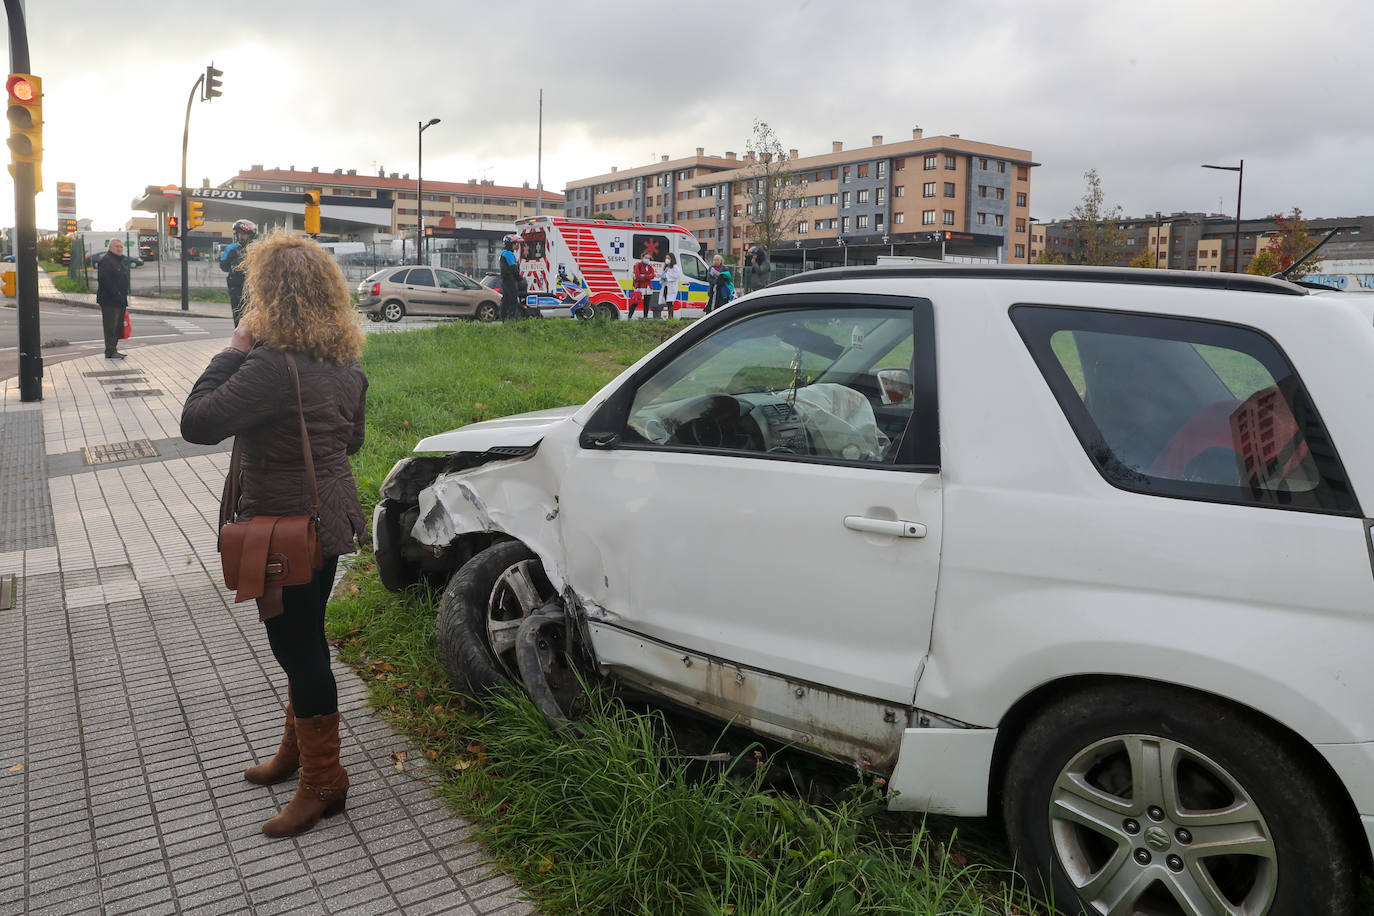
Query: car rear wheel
(487,311)
(480,615)
(394,310)
(1166,803)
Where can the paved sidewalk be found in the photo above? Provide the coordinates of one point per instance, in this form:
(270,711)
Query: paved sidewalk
(134,692)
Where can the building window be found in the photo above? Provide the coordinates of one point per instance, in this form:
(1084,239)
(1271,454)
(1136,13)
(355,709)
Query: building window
(899,165)
(900,190)
(882,168)
(927,217)
(1001,166)
(863,170)
(877,221)
(803,227)
(999,219)
(982,219)
(949,189)
(863,196)
(1022,173)
(844,224)
(1020,251)
(1020,225)
(930,162)
(1000,193)
(949,218)
(844,175)
(863,221)
(899,218)
(983,164)
(844,201)
(879,196)
(1020,199)
(982,190)
(928,189)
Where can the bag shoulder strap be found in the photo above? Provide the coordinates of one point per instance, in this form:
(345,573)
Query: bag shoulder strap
(305,438)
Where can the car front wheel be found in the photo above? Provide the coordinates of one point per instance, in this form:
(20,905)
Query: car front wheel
(1162,802)
(393,311)
(480,615)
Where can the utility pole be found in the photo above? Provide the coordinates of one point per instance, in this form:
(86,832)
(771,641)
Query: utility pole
(25,220)
(209,80)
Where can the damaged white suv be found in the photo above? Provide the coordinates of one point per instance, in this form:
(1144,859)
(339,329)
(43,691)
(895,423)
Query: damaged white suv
(1080,546)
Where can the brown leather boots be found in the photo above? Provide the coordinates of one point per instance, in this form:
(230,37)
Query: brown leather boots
(285,763)
(323,784)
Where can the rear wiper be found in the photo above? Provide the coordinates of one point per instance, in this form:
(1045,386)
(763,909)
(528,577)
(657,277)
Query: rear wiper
(1283,274)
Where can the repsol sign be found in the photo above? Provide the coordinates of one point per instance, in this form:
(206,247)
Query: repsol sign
(218,193)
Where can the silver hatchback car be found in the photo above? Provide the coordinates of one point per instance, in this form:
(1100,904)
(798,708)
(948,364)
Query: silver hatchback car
(395,292)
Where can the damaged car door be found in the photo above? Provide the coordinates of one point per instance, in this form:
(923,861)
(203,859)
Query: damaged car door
(753,521)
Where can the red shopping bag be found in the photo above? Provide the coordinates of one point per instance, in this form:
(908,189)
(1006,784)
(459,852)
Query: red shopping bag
(128,328)
(636,298)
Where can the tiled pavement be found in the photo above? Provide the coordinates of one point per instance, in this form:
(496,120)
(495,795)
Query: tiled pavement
(133,692)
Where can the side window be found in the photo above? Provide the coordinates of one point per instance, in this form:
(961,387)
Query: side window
(420,276)
(693,267)
(398,277)
(831,384)
(449,280)
(1187,408)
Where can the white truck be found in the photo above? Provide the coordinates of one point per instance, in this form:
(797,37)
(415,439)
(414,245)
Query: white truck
(601,255)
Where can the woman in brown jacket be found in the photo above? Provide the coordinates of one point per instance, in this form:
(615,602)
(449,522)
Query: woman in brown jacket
(299,304)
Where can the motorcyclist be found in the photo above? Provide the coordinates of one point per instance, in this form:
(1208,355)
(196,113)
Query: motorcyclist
(231,262)
(512,284)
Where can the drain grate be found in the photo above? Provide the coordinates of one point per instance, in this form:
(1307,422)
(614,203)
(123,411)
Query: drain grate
(6,592)
(137,393)
(123,380)
(106,373)
(118,451)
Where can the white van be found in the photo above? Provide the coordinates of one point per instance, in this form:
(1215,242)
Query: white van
(600,255)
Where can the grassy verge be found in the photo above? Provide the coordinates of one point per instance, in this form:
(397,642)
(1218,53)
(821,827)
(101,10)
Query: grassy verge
(612,820)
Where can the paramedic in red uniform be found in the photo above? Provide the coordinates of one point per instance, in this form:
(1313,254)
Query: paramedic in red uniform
(644,284)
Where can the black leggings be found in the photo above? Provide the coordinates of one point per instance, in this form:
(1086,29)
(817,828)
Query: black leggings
(297,639)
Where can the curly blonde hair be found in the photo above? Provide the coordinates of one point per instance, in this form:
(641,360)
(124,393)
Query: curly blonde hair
(297,300)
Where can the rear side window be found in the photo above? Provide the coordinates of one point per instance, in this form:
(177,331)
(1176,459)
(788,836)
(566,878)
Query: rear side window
(1187,408)
(420,276)
(398,277)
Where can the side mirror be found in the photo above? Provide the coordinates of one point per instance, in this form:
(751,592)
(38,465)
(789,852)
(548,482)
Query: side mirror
(894,385)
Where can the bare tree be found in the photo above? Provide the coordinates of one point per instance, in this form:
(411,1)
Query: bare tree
(773,189)
(1094,231)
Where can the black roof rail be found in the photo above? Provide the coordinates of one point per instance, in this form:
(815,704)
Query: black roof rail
(1055,272)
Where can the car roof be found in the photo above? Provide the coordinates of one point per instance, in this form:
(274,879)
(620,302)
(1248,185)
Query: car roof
(1052,272)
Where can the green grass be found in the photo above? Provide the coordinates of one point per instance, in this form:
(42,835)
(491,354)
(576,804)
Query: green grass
(613,820)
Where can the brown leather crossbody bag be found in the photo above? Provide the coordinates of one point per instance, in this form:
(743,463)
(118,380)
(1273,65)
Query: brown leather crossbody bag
(262,554)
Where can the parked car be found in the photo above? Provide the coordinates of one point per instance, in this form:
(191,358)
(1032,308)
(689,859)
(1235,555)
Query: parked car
(394,293)
(492,281)
(1143,495)
(129,260)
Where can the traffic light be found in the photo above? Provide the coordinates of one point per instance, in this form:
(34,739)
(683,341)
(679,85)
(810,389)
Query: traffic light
(195,215)
(173,227)
(312,212)
(26,123)
(212,82)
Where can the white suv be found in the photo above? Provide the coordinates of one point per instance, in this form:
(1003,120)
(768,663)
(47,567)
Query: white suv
(1082,546)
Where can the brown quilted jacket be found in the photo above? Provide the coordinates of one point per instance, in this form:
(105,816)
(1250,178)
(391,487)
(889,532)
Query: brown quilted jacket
(252,396)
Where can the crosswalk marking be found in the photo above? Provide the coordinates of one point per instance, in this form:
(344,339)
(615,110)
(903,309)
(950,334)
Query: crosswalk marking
(182,326)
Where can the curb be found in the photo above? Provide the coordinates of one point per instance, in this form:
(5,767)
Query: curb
(133,309)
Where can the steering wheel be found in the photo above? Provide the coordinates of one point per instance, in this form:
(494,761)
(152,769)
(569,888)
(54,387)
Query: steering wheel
(716,421)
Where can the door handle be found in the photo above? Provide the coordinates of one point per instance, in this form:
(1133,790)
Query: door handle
(891,527)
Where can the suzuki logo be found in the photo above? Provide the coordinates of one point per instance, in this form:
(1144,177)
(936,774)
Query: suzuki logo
(1157,838)
(617,244)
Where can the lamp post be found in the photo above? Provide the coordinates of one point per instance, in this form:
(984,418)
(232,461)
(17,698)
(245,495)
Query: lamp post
(1240,181)
(420,187)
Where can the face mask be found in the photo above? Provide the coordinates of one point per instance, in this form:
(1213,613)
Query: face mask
(645,260)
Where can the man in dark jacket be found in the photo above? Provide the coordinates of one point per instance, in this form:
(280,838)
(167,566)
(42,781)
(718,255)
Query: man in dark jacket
(112,294)
(231,262)
(513,285)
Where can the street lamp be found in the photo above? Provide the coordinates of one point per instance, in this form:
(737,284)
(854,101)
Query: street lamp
(1240,181)
(420,186)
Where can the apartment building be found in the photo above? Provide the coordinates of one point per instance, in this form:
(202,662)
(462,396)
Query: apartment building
(926,196)
(390,197)
(1206,241)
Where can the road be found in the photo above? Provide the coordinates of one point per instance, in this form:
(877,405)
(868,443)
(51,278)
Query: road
(79,331)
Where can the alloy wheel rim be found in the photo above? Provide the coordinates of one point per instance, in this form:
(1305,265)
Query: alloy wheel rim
(1147,825)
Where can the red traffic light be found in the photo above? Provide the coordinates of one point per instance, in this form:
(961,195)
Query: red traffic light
(20,88)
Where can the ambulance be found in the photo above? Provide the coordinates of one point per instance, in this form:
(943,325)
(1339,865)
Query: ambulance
(558,253)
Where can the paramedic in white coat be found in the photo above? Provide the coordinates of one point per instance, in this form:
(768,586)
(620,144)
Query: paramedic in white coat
(672,276)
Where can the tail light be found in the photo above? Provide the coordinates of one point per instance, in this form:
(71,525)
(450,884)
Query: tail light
(376,289)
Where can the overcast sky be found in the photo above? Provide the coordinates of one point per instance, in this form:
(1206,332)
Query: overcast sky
(1144,92)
